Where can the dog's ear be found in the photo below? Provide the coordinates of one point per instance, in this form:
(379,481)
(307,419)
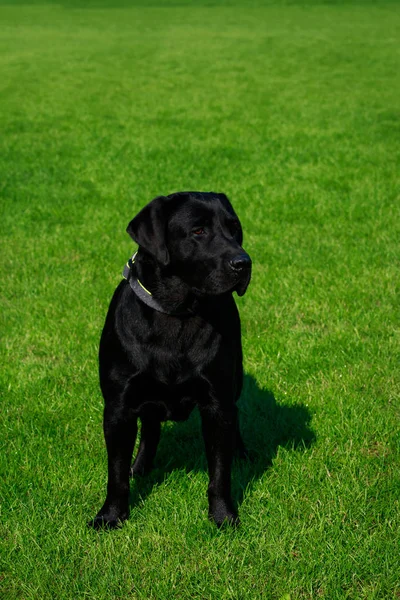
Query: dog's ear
(148,229)
(228,206)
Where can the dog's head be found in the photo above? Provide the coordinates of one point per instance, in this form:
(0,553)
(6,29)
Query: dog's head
(198,237)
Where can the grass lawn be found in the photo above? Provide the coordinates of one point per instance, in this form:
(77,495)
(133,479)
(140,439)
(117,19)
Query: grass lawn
(293,110)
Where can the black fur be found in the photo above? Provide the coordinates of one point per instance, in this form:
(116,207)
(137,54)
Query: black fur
(156,366)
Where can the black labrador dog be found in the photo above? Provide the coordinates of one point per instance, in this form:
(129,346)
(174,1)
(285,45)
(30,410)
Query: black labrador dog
(172,341)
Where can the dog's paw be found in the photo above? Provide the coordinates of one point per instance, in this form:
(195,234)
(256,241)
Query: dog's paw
(107,520)
(139,468)
(229,519)
(223,515)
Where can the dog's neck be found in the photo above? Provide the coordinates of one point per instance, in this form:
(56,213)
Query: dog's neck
(169,291)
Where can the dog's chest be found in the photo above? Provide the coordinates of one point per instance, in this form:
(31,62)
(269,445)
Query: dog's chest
(173,350)
(173,368)
(181,349)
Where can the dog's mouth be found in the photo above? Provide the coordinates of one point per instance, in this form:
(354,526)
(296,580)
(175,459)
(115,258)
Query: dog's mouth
(215,285)
(243,283)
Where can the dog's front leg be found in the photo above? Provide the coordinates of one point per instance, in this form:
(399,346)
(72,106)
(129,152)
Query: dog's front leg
(120,430)
(219,432)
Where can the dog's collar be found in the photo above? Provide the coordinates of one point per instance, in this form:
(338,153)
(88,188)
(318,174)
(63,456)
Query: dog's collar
(142,293)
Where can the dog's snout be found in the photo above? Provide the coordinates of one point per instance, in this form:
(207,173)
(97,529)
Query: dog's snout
(241,262)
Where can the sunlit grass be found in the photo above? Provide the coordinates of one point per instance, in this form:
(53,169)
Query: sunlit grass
(292,110)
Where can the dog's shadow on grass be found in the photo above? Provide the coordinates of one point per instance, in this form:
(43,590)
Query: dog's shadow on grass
(265,425)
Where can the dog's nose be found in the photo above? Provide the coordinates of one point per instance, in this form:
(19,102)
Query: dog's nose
(240,262)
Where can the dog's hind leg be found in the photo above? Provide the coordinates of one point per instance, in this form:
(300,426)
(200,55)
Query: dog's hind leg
(149,438)
(240,448)
(120,430)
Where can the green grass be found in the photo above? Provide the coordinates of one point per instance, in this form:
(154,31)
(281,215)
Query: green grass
(293,110)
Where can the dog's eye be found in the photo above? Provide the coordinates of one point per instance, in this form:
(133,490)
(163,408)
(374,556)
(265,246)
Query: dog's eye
(234,226)
(199,231)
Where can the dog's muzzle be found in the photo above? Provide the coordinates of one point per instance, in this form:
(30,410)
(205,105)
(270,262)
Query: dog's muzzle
(241,265)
